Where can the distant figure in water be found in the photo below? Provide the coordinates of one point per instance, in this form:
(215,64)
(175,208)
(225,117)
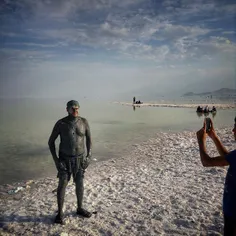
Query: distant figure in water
(213,109)
(71,161)
(199,109)
(213,114)
(134,99)
(224,159)
(234,129)
(206,109)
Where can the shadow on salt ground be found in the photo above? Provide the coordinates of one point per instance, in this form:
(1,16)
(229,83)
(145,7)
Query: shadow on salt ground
(214,228)
(46,219)
(217,223)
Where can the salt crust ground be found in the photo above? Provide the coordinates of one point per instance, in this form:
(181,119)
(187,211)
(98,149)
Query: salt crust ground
(160,188)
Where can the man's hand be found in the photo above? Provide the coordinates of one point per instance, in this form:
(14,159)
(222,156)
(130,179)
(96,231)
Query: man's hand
(211,133)
(86,161)
(59,165)
(201,134)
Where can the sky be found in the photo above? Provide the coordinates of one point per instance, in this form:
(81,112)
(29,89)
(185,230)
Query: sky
(113,49)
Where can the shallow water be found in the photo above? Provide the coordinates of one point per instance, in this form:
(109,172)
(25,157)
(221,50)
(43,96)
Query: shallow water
(25,127)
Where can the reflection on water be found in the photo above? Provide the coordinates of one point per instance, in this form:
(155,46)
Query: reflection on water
(134,107)
(208,114)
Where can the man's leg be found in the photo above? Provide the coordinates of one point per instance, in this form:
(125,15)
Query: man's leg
(63,181)
(229,226)
(79,185)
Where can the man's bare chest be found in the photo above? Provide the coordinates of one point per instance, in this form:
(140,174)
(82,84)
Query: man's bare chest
(68,128)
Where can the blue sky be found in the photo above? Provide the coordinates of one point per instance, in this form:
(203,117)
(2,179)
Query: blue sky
(113,48)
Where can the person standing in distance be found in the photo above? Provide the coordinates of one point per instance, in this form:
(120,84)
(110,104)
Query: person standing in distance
(71,161)
(224,159)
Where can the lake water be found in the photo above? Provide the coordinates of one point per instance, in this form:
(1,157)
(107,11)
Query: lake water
(26,125)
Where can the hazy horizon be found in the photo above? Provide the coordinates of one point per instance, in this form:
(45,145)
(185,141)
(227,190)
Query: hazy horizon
(110,49)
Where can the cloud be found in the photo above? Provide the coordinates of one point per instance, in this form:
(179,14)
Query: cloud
(168,35)
(8,55)
(169,42)
(173,32)
(57,9)
(228,32)
(229,8)
(113,31)
(36,45)
(129,41)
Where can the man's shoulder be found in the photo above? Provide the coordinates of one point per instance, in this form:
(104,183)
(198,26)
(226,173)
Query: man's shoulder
(84,120)
(61,121)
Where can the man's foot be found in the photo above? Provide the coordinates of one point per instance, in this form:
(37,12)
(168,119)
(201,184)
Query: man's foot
(84,213)
(59,220)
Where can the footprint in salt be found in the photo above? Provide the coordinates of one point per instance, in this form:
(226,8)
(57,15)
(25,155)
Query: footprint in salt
(94,195)
(184,223)
(158,214)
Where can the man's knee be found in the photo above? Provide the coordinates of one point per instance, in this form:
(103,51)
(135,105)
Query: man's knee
(63,181)
(79,180)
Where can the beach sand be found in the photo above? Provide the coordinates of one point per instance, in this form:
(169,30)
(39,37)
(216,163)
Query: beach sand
(218,105)
(160,188)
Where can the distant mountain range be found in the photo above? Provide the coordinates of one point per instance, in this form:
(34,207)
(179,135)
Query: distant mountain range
(220,92)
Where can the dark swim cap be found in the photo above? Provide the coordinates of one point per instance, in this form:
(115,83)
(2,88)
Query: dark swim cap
(72,103)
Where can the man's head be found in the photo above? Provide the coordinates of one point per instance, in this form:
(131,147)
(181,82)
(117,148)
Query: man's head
(72,108)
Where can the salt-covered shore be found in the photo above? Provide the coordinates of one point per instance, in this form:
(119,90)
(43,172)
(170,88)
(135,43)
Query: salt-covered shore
(217,105)
(160,188)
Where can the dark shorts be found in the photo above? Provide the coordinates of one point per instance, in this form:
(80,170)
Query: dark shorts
(229,226)
(70,166)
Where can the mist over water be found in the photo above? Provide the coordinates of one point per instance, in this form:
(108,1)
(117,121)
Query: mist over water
(26,124)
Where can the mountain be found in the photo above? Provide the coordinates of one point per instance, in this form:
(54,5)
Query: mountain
(220,92)
(189,94)
(225,91)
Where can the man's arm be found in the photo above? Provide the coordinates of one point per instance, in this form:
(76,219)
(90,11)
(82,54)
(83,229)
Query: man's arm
(87,160)
(206,160)
(221,149)
(51,142)
(88,139)
(212,134)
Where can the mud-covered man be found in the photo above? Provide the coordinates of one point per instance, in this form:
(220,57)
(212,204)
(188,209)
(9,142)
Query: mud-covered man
(73,159)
